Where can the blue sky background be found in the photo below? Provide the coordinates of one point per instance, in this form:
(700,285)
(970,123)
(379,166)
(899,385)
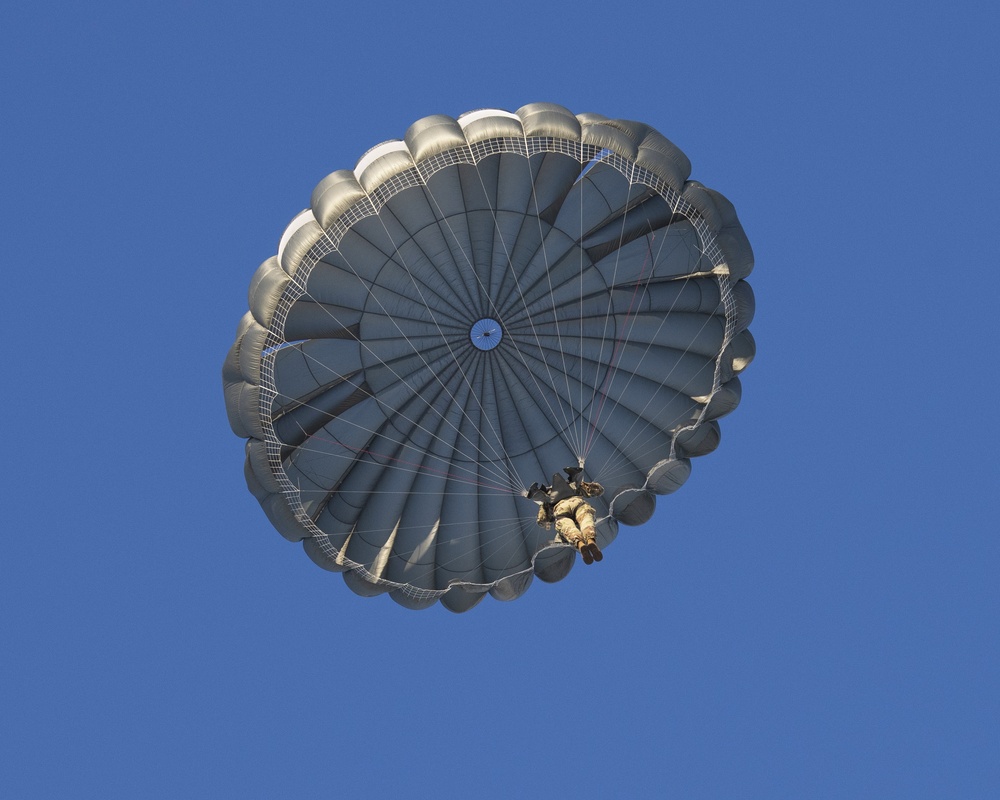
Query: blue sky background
(815,614)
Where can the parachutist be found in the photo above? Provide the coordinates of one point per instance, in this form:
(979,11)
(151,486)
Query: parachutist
(564,503)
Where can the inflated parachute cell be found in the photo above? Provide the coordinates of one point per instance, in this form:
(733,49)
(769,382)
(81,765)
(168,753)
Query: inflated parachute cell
(468,311)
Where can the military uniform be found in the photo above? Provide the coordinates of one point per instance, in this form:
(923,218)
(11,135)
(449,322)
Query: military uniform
(564,503)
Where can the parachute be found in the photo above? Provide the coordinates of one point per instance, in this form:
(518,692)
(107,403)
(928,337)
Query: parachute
(468,311)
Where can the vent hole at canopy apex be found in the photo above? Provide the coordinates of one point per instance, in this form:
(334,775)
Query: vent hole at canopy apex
(486,333)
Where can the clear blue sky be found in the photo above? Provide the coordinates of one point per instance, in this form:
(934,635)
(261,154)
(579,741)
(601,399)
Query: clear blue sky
(815,614)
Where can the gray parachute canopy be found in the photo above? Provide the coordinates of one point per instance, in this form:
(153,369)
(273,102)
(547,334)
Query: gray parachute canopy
(469,310)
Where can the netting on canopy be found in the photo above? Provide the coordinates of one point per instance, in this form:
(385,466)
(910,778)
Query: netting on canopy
(468,311)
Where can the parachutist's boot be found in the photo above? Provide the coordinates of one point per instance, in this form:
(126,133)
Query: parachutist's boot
(572,472)
(590,548)
(588,557)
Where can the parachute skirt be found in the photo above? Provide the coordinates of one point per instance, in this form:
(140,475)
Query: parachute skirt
(468,310)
